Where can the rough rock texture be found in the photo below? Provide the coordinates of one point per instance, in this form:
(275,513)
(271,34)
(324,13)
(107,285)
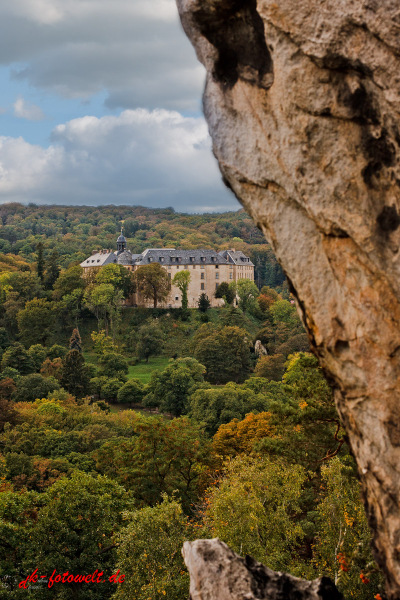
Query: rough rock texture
(217,573)
(259,349)
(302,101)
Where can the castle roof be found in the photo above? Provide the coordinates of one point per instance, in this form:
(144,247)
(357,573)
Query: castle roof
(237,257)
(171,256)
(167,256)
(99,259)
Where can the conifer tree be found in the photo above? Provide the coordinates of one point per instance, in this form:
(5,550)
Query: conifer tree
(74,375)
(75,342)
(203,303)
(52,270)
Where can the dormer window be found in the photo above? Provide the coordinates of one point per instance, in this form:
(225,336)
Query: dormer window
(161,259)
(203,259)
(150,259)
(192,259)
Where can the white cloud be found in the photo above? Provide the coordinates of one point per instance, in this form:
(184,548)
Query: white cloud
(24,110)
(135,50)
(154,158)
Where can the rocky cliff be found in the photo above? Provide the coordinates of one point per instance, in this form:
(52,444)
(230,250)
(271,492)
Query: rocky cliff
(218,573)
(302,101)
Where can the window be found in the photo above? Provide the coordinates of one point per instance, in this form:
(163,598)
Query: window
(194,266)
(216,275)
(230,275)
(176,297)
(201,266)
(177,266)
(202,286)
(203,259)
(217,266)
(161,259)
(216,286)
(201,275)
(231,266)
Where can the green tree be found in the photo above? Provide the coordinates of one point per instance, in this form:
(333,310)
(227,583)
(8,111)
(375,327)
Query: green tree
(35,321)
(256,507)
(24,284)
(203,303)
(152,282)
(38,354)
(247,292)
(69,281)
(132,392)
(342,548)
(75,529)
(118,276)
(52,270)
(161,456)
(149,553)
(271,367)
(113,365)
(181,280)
(215,406)
(225,291)
(110,388)
(171,389)
(224,352)
(17,358)
(56,351)
(31,387)
(150,340)
(102,343)
(283,311)
(74,375)
(105,302)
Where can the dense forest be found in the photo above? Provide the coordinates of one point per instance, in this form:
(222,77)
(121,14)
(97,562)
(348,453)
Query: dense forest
(125,431)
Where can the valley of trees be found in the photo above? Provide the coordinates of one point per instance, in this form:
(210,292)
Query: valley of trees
(125,431)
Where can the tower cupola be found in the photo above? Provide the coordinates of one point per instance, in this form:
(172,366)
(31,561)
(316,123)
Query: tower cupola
(121,243)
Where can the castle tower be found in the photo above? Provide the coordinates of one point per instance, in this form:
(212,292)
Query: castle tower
(121,243)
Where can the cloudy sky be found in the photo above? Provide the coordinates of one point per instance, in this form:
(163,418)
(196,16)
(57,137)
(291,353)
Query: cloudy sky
(101,104)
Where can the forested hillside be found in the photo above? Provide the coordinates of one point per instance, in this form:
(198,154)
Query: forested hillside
(74,232)
(125,431)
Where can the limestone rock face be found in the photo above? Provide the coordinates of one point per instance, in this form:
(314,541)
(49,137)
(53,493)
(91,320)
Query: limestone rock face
(302,101)
(259,349)
(217,573)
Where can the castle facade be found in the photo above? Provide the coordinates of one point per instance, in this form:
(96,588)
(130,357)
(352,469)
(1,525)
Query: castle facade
(207,268)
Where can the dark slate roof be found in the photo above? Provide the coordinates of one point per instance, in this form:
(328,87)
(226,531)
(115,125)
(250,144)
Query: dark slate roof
(99,259)
(170,256)
(125,258)
(121,238)
(236,257)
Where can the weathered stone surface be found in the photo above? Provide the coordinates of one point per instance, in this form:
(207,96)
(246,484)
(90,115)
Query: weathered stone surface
(217,573)
(259,349)
(302,101)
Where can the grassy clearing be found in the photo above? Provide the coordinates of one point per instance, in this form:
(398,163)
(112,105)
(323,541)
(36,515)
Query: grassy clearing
(143,370)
